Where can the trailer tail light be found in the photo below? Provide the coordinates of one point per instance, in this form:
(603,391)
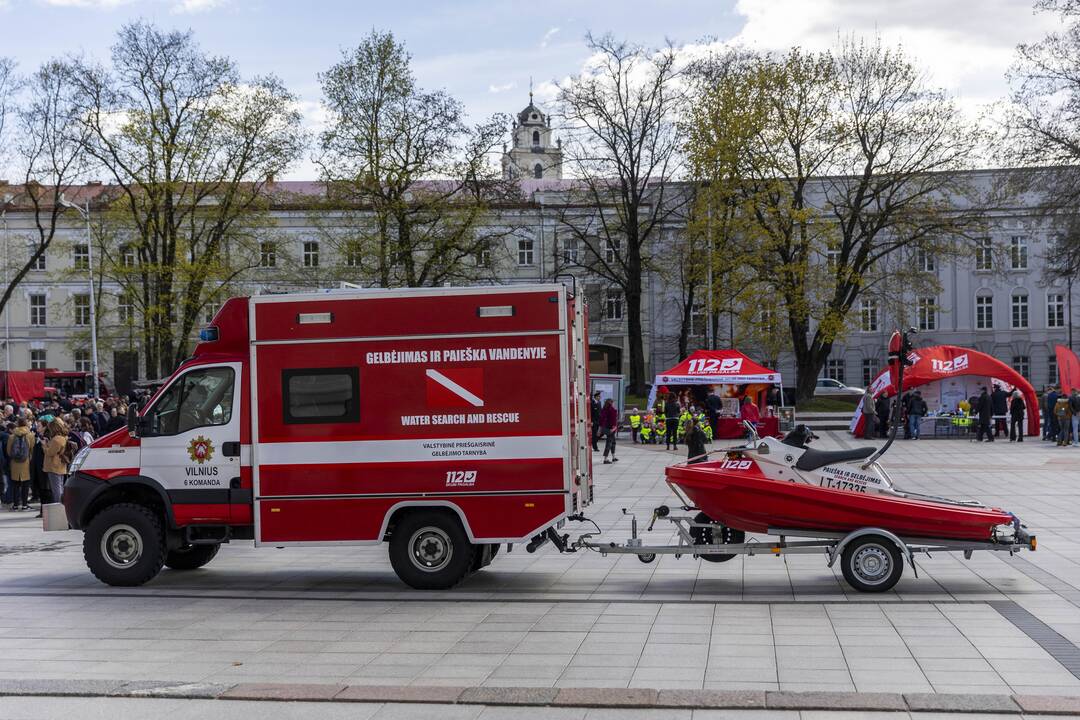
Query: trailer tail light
(495,311)
(209,334)
(315,318)
(1034,543)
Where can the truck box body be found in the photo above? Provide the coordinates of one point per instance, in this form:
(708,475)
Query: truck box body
(22,385)
(325,418)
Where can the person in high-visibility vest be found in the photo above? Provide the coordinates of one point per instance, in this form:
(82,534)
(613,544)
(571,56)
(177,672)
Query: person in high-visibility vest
(635,424)
(661,427)
(684,421)
(646,434)
(706,427)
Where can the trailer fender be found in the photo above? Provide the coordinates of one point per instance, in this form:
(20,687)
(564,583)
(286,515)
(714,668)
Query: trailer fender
(837,550)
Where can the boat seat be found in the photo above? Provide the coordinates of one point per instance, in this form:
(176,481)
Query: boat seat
(813,459)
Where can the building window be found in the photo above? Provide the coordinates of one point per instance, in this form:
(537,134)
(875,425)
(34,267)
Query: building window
(321,395)
(1055,310)
(1018,252)
(536,139)
(125,308)
(82,360)
(927,310)
(1020,310)
(37,310)
(81,309)
(699,319)
(81,256)
(984,254)
(834,369)
(353,256)
(869,370)
(1022,365)
(210,310)
(611,250)
(570,251)
(869,315)
(613,305)
(127,255)
(39,262)
(311,254)
(1052,370)
(984,312)
(268,254)
(525,252)
(538,171)
(832,258)
(925,260)
(483,255)
(37,360)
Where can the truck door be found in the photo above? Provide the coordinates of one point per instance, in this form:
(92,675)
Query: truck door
(190,441)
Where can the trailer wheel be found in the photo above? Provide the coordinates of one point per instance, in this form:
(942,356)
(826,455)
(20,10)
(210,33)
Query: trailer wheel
(191,557)
(872,563)
(124,545)
(704,536)
(429,550)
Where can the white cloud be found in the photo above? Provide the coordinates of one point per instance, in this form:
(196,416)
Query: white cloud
(496,89)
(552,32)
(194,6)
(88,4)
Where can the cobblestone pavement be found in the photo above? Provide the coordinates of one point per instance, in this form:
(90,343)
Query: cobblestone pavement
(339,615)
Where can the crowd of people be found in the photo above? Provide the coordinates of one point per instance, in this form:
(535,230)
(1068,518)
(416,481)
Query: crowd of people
(993,413)
(38,441)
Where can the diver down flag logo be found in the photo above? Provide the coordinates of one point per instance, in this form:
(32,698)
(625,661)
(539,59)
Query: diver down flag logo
(460,387)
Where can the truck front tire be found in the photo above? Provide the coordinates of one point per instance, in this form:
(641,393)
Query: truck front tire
(124,545)
(429,550)
(191,557)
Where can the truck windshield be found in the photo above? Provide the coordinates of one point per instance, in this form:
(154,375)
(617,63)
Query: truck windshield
(201,397)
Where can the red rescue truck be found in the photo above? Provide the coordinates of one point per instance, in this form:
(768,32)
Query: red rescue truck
(444,421)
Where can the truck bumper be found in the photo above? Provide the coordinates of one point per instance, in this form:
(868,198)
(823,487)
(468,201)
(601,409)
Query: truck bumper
(78,491)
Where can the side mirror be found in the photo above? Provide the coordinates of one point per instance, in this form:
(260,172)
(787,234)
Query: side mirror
(133,420)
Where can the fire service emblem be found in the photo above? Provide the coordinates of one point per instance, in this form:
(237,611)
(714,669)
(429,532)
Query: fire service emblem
(201,450)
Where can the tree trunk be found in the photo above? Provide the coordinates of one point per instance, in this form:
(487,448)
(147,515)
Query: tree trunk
(684,327)
(634,335)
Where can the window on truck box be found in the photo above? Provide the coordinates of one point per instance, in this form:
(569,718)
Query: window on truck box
(201,397)
(321,395)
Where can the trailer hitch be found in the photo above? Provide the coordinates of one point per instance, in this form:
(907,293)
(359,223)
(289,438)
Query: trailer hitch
(561,542)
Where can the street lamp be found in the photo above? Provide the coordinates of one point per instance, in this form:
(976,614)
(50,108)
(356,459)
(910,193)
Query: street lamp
(85,214)
(5,200)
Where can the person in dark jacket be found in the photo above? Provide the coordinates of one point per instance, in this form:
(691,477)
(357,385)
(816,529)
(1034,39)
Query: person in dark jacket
(999,402)
(609,426)
(905,404)
(39,479)
(1050,423)
(1016,417)
(985,411)
(882,411)
(671,422)
(713,406)
(594,412)
(916,409)
(695,442)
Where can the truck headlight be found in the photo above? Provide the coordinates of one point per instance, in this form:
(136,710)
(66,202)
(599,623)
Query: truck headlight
(78,460)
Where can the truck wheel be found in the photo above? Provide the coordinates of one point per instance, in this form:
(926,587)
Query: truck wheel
(872,563)
(430,551)
(191,557)
(124,545)
(704,536)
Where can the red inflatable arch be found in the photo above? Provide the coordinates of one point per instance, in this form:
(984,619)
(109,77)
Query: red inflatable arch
(940,362)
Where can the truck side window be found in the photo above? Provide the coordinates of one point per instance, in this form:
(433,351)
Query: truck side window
(321,395)
(198,399)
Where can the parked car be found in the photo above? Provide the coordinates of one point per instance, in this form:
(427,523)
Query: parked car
(828,386)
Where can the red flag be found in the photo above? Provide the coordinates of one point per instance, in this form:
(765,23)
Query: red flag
(1068,368)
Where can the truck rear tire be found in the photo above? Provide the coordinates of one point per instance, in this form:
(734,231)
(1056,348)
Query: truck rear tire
(191,557)
(124,545)
(429,550)
(872,563)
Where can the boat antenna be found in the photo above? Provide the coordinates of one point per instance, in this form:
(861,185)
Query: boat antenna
(900,348)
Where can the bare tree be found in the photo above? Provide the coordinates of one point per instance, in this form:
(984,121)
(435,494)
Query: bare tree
(48,144)
(620,116)
(191,148)
(415,180)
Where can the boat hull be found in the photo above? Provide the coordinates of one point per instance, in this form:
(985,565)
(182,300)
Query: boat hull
(746,500)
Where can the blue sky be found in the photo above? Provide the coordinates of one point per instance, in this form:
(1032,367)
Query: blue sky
(485,52)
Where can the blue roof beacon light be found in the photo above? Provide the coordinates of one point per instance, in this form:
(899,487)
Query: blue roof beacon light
(209,334)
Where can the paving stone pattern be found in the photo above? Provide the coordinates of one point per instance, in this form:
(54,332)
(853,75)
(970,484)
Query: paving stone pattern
(339,616)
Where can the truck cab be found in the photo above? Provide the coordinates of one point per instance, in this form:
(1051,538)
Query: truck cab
(444,422)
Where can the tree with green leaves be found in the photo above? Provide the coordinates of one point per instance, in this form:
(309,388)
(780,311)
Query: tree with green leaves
(412,182)
(191,148)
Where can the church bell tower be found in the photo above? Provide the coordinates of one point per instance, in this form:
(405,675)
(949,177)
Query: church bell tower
(533,153)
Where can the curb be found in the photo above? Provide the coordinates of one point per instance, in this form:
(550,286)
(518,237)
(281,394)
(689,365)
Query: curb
(614,698)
